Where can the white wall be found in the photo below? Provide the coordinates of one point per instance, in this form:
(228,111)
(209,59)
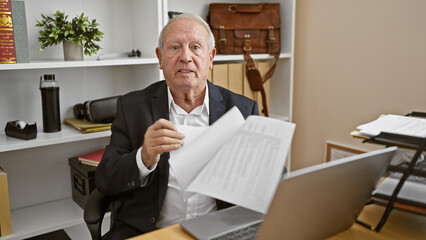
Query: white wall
(354,60)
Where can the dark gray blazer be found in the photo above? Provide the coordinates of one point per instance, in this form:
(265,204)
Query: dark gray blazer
(137,209)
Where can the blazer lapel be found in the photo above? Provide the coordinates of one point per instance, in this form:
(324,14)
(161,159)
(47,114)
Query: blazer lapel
(217,109)
(159,103)
(160,109)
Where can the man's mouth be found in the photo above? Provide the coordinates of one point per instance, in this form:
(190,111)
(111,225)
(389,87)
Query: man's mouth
(185,71)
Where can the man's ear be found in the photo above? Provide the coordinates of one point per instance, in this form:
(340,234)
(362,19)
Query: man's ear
(212,55)
(159,57)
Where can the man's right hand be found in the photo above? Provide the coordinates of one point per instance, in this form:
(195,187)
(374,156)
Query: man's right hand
(160,137)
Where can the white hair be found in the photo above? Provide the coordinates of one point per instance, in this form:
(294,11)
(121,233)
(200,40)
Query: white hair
(187,16)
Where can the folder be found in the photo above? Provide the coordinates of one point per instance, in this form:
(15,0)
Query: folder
(87,127)
(5,223)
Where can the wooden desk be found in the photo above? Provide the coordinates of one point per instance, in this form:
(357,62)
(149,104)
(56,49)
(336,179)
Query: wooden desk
(400,225)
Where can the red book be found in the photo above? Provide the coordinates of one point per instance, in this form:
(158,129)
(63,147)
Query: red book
(93,158)
(7,42)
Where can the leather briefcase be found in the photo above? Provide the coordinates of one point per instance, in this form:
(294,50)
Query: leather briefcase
(246,29)
(240,28)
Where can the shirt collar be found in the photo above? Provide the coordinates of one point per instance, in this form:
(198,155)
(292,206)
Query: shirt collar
(204,106)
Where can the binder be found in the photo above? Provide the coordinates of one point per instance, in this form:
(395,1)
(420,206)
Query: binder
(5,223)
(220,75)
(236,77)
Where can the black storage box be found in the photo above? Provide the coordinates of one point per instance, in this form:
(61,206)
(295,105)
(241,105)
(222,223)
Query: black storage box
(82,181)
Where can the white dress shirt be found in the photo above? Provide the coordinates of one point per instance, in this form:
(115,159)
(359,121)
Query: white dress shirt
(178,204)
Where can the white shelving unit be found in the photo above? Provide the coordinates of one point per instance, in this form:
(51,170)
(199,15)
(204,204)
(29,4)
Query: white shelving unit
(58,214)
(66,135)
(38,171)
(51,64)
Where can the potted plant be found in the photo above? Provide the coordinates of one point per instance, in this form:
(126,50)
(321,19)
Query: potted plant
(76,34)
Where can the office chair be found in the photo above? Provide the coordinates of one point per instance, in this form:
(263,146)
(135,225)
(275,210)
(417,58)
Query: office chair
(96,206)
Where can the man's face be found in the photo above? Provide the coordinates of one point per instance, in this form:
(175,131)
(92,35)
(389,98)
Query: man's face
(185,59)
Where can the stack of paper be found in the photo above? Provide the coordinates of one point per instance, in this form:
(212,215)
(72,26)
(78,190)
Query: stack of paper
(402,125)
(412,191)
(236,160)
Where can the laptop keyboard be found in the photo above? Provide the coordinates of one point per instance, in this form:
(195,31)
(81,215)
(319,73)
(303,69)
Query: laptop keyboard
(246,233)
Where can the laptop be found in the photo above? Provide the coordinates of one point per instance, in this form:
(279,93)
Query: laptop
(311,203)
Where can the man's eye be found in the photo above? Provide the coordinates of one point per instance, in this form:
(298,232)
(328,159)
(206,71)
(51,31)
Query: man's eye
(196,47)
(174,47)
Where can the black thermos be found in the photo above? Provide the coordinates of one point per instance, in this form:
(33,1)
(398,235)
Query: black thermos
(50,103)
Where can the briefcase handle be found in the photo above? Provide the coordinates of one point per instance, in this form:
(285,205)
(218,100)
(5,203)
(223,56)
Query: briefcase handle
(246,8)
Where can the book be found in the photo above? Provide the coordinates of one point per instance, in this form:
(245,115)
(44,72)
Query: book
(235,160)
(5,222)
(395,124)
(20,33)
(93,158)
(87,127)
(7,41)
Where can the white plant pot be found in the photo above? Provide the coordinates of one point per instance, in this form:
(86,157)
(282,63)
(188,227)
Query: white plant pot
(72,51)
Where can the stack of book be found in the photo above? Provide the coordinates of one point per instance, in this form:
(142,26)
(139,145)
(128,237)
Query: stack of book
(93,158)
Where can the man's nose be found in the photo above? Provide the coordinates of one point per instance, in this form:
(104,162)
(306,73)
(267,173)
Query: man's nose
(186,55)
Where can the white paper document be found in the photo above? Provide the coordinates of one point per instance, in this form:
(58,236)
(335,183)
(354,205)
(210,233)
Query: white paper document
(411,190)
(235,160)
(409,126)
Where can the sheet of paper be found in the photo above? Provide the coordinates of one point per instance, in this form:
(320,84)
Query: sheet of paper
(192,157)
(191,133)
(247,169)
(402,125)
(411,190)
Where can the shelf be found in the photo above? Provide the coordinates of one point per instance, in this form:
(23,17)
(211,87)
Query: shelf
(400,204)
(67,134)
(412,194)
(140,24)
(279,117)
(44,218)
(404,141)
(43,64)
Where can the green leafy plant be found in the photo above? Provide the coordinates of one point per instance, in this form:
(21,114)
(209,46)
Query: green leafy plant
(79,30)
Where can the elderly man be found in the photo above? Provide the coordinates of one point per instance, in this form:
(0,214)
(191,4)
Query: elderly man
(135,166)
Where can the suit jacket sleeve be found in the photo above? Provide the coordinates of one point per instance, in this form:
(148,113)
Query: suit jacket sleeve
(118,171)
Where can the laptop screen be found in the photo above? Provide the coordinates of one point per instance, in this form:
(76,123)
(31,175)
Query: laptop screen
(322,200)
(311,203)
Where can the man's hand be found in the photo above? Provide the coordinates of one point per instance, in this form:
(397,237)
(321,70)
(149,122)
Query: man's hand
(160,137)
